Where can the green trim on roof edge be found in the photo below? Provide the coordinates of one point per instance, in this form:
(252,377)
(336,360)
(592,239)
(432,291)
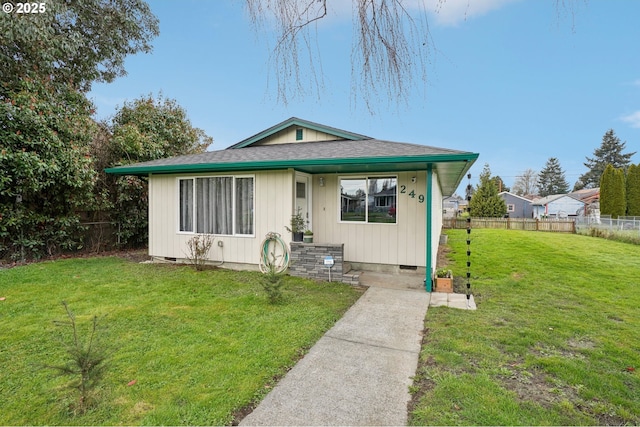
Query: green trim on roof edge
(283,164)
(449,177)
(294,121)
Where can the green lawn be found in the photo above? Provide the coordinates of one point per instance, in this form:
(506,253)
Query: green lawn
(555,339)
(199,345)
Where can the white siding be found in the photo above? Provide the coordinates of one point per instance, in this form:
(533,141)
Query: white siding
(436,220)
(289,135)
(273,207)
(402,243)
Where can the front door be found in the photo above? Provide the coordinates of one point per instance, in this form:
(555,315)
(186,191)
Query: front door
(303,197)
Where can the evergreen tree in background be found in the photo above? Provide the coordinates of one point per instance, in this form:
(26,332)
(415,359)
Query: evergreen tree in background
(551,179)
(612,192)
(606,190)
(485,202)
(609,153)
(633,190)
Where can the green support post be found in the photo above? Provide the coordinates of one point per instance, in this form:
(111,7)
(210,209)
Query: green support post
(429,274)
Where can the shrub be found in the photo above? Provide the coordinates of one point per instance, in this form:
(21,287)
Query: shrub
(198,250)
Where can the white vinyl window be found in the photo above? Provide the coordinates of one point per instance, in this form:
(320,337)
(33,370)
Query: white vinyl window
(217,205)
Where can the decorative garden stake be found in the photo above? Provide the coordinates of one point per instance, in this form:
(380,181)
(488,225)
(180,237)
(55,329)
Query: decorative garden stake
(469,188)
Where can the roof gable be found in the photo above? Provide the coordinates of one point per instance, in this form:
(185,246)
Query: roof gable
(506,194)
(327,133)
(552,198)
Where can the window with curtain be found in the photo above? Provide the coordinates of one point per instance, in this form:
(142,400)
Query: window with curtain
(244,206)
(186,205)
(217,205)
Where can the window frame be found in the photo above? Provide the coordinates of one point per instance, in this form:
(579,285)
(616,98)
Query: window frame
(366,178)
(194,207)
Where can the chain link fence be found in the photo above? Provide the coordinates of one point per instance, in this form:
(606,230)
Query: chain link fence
(625,227)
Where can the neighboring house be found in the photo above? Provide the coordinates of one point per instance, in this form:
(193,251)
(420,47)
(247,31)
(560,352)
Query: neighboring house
(591,199)
(517,206)
(381,199)
(452,206)
(557,206)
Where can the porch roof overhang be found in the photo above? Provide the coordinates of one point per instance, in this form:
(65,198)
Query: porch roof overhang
(318,158)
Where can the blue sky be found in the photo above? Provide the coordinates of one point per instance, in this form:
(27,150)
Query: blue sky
(517,81)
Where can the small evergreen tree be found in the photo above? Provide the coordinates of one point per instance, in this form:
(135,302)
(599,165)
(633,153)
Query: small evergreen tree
(612,192)
(609,153)
(485,202)
(551,179)
(633,190)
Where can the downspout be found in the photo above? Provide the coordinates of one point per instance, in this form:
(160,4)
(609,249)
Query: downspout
(428,281)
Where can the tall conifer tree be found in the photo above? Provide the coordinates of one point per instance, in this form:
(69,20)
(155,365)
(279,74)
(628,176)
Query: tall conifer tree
(551,179)
(633,190)
(609,153)
(612,192)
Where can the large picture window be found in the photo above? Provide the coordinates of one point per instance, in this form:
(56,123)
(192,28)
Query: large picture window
(368,199)
(216,205)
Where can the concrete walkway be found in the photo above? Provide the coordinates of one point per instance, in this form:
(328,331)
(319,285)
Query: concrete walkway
(360,371)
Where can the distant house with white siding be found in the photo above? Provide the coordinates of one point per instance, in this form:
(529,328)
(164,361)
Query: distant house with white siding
(452,206)
(517,206)
(381,199)
(557,206)
(591,199)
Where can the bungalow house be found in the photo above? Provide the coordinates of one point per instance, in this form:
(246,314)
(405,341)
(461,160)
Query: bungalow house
(381,200)
(557,206)
(517,206)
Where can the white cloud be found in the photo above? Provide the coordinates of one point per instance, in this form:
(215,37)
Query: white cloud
(452,12)
(632,119)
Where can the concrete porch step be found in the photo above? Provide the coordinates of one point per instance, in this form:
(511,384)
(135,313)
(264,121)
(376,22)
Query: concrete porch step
(351,277)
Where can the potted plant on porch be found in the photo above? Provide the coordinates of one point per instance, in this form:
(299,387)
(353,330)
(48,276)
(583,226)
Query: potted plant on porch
(444,280)
(308,236)
(297,226)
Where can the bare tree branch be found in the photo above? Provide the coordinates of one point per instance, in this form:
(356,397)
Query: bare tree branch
(391,46)
(389,50)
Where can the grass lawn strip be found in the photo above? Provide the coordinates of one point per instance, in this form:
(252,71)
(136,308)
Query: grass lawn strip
(555,339)
(199,345)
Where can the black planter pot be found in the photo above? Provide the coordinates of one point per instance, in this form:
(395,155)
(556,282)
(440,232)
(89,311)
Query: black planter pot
(297,237)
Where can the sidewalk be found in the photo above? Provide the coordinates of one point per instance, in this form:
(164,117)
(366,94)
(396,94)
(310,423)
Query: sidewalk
(359,372)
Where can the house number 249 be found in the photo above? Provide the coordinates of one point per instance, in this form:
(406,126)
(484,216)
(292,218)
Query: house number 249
(412,194)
